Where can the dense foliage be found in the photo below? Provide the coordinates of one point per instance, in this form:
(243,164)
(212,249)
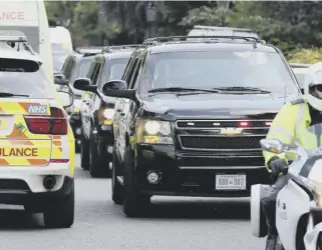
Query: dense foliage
(294,26)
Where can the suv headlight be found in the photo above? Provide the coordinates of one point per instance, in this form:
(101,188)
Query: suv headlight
(105,116)
(155,132)
(108,113)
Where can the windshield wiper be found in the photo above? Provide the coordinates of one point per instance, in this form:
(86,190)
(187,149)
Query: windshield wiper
(242,89)
(6,94)
(178,89)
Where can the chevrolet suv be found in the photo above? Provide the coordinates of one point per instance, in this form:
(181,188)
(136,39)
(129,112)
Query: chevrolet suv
(191,115)
(96,114)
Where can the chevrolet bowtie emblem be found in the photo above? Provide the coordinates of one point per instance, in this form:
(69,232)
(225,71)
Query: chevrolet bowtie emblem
(231,131)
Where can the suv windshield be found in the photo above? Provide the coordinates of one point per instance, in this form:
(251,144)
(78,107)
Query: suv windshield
(84,65)
(113,69)
(32,84)
(217,69)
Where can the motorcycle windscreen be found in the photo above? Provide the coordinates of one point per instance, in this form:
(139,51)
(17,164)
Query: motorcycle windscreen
(311,141)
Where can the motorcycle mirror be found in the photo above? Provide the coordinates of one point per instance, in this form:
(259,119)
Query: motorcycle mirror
(272,145)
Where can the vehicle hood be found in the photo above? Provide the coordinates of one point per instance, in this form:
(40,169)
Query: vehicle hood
(219,105)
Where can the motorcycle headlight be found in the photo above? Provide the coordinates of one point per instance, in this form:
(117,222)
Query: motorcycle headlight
(108,113)
(77,105)
(155,132)
(317,190)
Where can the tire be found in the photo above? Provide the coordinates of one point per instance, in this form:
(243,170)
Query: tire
(134,203)
(117,188)
(319,242)
(84,149)
(258,220)
(60,213)
(97,166)
(77,148)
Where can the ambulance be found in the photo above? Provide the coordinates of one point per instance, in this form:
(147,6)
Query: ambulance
(37,144)
(30,18)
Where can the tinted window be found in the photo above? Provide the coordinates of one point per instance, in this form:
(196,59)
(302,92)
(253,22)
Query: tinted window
(113,69)
(83,67)
(213,69)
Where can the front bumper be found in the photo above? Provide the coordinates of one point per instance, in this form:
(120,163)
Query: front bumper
(104,141)
(192,174)
(19,185)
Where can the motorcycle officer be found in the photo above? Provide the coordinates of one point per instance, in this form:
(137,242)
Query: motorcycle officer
(294,116)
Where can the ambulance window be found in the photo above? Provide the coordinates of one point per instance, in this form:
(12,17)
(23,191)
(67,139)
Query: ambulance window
(24,77)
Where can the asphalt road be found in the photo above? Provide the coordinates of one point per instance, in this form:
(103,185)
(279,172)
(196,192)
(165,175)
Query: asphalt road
(172,224)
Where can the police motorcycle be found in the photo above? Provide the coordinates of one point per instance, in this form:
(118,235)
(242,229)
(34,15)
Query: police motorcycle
(299,203)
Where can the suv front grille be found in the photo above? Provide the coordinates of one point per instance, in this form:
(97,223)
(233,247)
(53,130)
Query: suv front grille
(207,142)
(207,135)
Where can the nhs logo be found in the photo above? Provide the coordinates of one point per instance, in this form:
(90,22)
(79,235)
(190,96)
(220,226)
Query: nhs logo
(37,109)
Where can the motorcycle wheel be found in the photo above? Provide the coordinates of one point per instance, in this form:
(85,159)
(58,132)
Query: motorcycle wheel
(319,242)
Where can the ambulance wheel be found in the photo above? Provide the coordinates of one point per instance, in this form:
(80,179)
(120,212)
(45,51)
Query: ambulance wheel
(117,188)
(134,203)
(60,213)
(258,221)
(84,149)
(97,167)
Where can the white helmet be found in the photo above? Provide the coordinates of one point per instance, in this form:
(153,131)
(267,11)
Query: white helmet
(313,79)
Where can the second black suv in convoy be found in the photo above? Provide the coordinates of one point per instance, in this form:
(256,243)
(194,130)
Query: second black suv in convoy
(76,65)
(96,114)
(190,117)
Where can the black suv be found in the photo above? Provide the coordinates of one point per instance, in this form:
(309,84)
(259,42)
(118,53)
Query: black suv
(76,65)
(191,115)
(96,114)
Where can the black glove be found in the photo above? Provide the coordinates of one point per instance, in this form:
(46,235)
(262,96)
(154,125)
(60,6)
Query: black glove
(277,165)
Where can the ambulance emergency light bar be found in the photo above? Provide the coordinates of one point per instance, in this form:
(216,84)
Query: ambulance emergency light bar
(13,39)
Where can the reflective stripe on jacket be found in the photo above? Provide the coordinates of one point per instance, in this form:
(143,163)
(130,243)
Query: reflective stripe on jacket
(291,119)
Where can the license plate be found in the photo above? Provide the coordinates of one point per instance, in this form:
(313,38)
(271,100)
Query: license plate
(3,124)
(230,182)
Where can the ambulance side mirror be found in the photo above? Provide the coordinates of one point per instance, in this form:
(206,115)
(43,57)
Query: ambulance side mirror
(67,99)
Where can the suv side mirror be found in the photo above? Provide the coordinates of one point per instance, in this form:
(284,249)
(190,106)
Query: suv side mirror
(66,99)
(61,81)
(85,85)
(117,88)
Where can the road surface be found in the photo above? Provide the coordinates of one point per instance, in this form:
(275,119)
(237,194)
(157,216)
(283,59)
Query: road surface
(172,224)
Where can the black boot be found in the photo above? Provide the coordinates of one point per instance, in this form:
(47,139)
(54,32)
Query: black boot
(271,242)
(269,211)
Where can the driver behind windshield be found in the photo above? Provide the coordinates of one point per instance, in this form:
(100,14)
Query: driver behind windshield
(293,118)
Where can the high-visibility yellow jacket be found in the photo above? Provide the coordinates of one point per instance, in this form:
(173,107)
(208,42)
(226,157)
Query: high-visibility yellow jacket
(287,125)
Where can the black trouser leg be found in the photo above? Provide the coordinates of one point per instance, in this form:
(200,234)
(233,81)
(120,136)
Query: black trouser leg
(269,207)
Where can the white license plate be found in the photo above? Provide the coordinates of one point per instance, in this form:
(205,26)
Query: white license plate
(230,182)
